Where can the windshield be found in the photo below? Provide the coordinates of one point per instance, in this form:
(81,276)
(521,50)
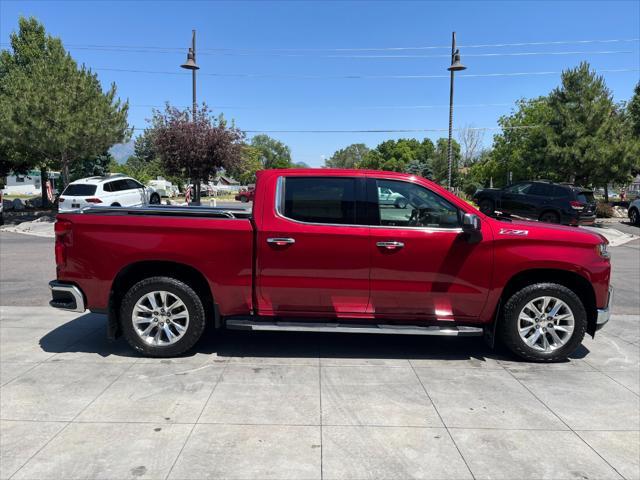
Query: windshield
(79,190)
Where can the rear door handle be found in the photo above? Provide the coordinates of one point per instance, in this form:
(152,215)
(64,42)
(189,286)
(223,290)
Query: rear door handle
(390,245)
(281,241)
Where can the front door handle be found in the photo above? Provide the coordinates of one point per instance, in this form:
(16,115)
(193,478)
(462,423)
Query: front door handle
(390,245)
(280,241)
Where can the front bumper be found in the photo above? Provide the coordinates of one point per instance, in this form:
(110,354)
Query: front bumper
(604,314)
(66,296)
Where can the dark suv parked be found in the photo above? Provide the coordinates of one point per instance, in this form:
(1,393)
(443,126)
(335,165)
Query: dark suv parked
(539,200)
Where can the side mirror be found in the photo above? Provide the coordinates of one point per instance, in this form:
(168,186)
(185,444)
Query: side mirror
(470,223)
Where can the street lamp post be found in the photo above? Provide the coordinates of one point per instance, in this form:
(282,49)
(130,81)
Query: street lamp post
(455,66)
(190,64)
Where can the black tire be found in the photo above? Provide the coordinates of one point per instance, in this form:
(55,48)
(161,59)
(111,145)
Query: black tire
(154,199)
(244,199)
(116,204)
(181,290)
(487,206)
(401,203)
(508,323)
(634,216)
(550,217)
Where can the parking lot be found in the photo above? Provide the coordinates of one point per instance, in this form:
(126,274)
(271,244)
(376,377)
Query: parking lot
(306,406)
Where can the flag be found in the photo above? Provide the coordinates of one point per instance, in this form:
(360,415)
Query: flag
(187,195)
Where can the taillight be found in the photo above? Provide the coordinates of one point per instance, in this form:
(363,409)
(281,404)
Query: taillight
(62,230)
(93,200)
(576,205)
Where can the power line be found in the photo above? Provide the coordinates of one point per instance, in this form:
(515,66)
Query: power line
(354,76)
(368,49)
(341,107)
(396,130)
(364,57)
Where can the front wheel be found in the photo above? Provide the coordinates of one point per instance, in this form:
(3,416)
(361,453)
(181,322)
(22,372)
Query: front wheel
(162,317)
(550,217)
(154,199)
(634,216)
(544,322)
(244,199)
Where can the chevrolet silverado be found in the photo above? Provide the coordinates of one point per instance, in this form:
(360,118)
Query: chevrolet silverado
(322,251)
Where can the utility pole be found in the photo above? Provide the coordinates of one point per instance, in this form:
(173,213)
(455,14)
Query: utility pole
(455,66)
(190,64)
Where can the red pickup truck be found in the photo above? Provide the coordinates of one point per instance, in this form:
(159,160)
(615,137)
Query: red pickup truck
(333,250)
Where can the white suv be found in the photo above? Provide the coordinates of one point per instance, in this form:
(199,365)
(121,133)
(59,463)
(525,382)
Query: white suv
(109,191)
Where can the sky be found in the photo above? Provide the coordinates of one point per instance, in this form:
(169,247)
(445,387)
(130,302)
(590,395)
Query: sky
(329,65)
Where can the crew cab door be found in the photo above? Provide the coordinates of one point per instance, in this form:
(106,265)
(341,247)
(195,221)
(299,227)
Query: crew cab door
(312,253)
(422,264)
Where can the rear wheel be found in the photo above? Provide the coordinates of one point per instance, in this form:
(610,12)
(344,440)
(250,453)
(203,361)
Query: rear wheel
(544,322)
(550,217)
(116,204)
(486,206)
(634,216)
(162,317)
(401,203)
(244,198)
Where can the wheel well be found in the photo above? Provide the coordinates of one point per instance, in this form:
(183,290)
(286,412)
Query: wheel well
(550,210)
(132,274)
(571,280)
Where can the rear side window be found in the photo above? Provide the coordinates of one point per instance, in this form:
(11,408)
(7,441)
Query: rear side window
(586,197)
(132,184)
(320,200)
(542,190)
(79,190)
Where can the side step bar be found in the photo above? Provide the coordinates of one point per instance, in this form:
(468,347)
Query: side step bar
(448,331)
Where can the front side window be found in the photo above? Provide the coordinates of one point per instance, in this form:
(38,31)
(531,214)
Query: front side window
(412,205)
(320,200)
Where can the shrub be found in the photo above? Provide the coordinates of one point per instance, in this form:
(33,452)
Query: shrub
(604,210)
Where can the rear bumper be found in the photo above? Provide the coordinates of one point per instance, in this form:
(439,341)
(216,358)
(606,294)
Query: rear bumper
(66,296)
(604,314)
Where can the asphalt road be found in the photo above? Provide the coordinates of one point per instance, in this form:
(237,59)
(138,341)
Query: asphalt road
(27,265)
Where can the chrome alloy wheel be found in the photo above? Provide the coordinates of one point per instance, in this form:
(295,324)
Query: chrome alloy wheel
(160,318)
(546,323)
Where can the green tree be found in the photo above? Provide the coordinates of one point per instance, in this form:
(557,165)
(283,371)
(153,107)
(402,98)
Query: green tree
(589,141)
(633,109)
(53,113)
(348,157)
(98,165)
(195,147)
(273,153)
(440,163)
(245,170)
(397,155)
(520,150)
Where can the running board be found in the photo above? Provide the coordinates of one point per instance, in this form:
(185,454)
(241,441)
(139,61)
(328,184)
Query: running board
(448,331)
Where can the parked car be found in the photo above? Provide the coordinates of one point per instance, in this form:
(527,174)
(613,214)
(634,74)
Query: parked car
(634,212)
(388,197)
(318,253)
(109,190)
(246,195)
(163,187)
(539,200)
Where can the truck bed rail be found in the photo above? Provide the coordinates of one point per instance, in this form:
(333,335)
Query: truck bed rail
(169,211)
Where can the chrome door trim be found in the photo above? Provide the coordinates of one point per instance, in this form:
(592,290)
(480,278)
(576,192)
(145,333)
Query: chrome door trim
(279,214)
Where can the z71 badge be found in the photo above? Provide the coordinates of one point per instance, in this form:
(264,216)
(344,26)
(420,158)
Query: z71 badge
(511,231)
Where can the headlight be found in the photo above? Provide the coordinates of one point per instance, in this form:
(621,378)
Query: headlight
(603,250)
